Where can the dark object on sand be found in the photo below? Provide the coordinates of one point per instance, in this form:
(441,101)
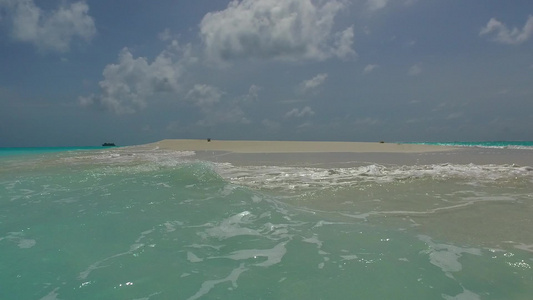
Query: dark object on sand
(209,140)
(108,145)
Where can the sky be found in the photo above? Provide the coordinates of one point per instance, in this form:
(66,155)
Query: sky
(80,73)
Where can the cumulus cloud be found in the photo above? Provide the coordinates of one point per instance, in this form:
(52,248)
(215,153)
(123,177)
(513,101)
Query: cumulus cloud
(49,31)
(499,32)
(313,83)
(253,94)
(275,29)
(223,115)
(165,35)
(369,68)
(215,111)
(128,84)
(300,113)
(366,121)
(343,43)
(455,115)
(376,4)
(414,70)
(271,125)
(204,95)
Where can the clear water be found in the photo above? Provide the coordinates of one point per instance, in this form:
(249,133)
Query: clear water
(139,223)
(41,150)
(487,144)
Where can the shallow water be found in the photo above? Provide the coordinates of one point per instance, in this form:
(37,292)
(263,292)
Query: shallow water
(139,223)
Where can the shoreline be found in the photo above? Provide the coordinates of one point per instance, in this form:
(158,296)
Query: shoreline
(342,154)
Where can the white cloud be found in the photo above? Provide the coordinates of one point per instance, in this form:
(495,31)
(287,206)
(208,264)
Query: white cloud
(208,99)
(415,120)
(376,4)
(455,115)
(49,31)
(165,35)
(414,70)
(314,82)
(223,115)
(271,125)
(275,29)
(129,84)
(343,44)
(500,33)
(204,95)
(366,121)
(297,113)
(369,68)
(409,44)
(305,125)
(252,95)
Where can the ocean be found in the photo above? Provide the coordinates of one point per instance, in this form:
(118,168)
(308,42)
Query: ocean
(489,144)
(146,223)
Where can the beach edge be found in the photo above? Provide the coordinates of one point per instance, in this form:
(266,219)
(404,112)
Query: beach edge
(255,146)
(327,154)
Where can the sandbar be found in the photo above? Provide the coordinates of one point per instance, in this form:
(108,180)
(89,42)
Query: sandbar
(296,146)
(341,154)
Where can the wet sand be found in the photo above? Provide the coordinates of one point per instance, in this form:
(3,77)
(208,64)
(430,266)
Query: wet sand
(343,154)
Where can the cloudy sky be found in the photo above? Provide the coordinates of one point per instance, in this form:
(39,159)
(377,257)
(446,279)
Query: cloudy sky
(76,73)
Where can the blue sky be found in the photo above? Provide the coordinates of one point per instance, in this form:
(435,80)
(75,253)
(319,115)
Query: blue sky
(76,73)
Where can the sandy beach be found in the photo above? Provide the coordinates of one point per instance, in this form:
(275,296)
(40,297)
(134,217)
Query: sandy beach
(341,154)
(297,146)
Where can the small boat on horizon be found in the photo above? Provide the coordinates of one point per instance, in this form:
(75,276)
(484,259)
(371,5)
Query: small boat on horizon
(108,145)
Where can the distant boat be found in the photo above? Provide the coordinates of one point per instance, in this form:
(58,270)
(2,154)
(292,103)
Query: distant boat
(108,145)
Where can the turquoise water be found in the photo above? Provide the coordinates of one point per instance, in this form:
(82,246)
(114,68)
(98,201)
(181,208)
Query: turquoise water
(489,144)
(141,223)
(41,150)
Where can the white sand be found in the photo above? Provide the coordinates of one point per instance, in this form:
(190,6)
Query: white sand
(342,154)
(296,147)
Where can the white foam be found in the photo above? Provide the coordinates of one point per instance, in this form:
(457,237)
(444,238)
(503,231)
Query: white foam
(465,295)
(210,284)
(52,295)
(276,231)
(273,255)
(524,247)
(171,226)
(198,246)
(304,178)
(149,296)
(314,240)
(26,243)
(349,257)
(256,199)
(127,156)
(134,247)
(231,227)
(446,257)
(520,265)
(403,259)
(193,258)
(20,240)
